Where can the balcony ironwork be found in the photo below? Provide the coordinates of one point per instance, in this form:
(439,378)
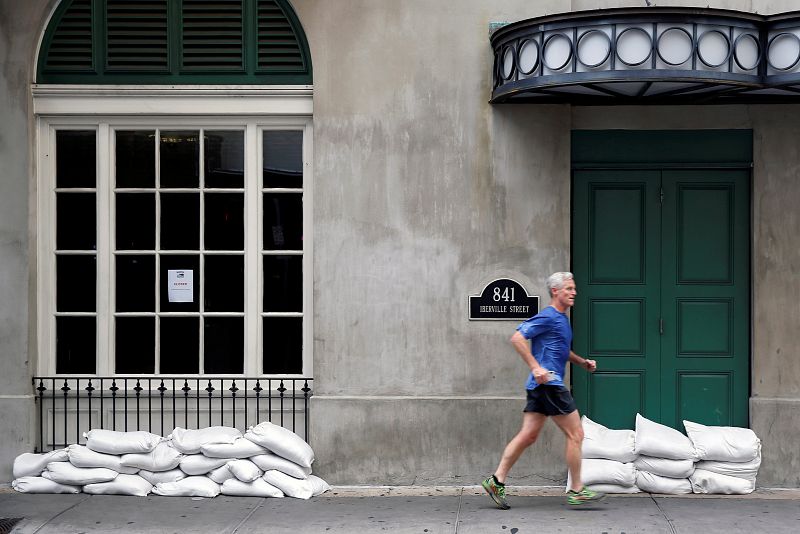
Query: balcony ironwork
(648,55)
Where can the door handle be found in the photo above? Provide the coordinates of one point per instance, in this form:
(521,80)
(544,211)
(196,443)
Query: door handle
(661,325)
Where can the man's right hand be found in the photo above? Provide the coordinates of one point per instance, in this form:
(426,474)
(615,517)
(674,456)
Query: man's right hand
(540,375)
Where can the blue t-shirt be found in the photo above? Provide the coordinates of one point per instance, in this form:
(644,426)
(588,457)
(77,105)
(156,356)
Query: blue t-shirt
(551,337)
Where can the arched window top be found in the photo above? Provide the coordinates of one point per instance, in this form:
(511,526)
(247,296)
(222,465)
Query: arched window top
(174,42)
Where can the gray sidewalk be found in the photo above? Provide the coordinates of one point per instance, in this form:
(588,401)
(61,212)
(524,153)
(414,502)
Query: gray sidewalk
(419,510)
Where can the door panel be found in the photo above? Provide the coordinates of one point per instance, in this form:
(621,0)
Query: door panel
(617,303)
(706,297)
(661,259)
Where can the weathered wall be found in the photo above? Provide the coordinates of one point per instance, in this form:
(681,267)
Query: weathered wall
(423,193)
(20,24)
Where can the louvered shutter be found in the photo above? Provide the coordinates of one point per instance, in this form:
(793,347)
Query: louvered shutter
(71,46)
(278,46)
(212,35)
(174,42)
(136,32)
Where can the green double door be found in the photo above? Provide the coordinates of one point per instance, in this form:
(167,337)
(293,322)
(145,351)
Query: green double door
(662,263)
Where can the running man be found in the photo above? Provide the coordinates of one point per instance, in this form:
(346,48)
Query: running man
(550,337)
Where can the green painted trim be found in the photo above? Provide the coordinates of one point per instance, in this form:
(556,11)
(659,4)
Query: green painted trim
(662,147)
(249,74)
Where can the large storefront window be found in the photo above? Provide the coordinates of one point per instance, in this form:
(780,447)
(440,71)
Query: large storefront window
(177,248)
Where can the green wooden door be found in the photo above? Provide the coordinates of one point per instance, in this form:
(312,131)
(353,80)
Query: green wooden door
(661,259)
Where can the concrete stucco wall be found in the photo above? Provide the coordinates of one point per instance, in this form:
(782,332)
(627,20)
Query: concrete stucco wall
(20,27)
(423,193)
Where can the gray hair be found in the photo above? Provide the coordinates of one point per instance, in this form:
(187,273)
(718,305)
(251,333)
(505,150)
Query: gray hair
(557,280)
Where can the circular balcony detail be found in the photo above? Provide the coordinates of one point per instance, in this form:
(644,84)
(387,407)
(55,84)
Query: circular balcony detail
(641,55)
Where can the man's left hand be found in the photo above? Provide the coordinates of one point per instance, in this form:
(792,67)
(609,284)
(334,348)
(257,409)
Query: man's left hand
(590,365)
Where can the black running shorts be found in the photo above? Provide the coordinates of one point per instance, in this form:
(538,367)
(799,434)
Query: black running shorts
(550,400)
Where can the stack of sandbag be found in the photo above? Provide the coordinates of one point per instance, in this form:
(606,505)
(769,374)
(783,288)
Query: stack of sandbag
(666,458)
(97,468)
(608,457)
(267,461)
(729,458)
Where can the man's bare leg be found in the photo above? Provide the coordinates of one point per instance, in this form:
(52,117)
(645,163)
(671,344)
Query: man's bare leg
(571,425)
(532,424)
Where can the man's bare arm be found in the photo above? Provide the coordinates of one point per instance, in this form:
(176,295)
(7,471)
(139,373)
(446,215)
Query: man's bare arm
(589,365)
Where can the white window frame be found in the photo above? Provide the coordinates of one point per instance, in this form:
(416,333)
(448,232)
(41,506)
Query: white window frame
(105,109)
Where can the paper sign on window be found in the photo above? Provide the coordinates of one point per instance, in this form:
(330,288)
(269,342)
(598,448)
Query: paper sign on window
(180,285)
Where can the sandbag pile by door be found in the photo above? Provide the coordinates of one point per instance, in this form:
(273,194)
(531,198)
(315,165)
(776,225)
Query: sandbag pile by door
(659,459)
(267,461)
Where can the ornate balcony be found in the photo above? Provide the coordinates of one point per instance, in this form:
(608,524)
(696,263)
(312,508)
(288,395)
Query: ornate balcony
(648,55)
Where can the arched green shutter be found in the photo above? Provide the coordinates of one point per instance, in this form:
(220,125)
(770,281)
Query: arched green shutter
(174,42)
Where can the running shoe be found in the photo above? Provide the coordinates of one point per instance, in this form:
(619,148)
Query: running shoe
(583,496)
(496,491)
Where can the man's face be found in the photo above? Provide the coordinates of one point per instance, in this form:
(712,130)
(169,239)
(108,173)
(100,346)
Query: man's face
(565,296)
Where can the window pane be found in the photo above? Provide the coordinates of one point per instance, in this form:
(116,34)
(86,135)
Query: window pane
(76,158)
(224,221)
(224,155)
(283,345)
(135,283)
(283,283)
(224,345)
(136,221)
(184,263)
(75,345)
(136,345)
(75,283)
(180,158)
(180,221)
(136,159)
(283,158)
(224,284)
(283,221)
(76,227)
(180,345)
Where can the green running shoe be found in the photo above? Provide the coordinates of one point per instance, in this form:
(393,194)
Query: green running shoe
(583,496)
(496,491)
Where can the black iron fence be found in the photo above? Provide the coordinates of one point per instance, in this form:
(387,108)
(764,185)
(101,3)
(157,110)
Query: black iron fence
(68,407)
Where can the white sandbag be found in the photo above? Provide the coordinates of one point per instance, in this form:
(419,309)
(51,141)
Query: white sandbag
(665,467)
(257,488)
(604,443)
(113,442)
(653,483)
(163,458)
(241,448)
(29,464)
(197,464)
(66,473)
(220,474)
(723,443)
(707,482)
(660,441)
(81,456)
(197,486)
(300,489)
(191,441)
(612,488)
(745,470)
(269,461)
(133,485)
(244,470)
(598,471)
(173,475)
(41,485)
(282,442)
